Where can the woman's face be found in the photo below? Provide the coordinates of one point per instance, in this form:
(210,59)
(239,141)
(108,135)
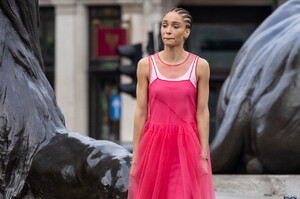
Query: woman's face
(173,30)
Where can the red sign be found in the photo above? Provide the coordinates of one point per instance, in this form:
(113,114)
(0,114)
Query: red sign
(109,39)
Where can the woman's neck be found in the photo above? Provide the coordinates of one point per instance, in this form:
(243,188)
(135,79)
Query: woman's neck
(173,55)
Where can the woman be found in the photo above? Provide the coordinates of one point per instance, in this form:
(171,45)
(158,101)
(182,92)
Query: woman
(170,141)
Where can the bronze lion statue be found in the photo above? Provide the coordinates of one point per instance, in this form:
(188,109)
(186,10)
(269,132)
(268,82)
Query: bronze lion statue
(39,157)
(258,113)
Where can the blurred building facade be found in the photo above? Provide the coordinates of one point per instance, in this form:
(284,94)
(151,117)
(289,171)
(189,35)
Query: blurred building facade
(84,73)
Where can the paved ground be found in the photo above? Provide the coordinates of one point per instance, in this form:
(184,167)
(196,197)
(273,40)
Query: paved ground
(248,186)
(220,195)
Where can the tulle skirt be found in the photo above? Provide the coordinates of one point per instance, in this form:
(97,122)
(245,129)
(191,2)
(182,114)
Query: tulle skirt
(169,165)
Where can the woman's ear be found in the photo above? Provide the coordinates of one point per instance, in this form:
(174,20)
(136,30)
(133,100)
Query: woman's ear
(187,33)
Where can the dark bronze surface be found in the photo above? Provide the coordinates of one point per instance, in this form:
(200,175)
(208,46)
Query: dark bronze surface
(39,158)
(258,113)
(72,166)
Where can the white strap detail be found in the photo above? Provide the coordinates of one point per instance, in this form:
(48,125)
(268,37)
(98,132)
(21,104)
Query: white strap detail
(193,77)
(153,75)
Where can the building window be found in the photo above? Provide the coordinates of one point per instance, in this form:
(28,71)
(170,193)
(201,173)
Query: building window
(103,74)
(47,41)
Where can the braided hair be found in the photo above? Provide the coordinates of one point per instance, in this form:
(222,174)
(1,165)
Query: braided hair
(186,16)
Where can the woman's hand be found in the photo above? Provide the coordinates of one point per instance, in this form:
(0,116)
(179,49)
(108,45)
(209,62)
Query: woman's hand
(204,161)
(133,169)
(204,153)
(203,165)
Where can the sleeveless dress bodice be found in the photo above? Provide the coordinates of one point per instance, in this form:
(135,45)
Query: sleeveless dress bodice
(175,99)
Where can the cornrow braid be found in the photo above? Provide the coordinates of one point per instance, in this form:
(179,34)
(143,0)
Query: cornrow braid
(186,16)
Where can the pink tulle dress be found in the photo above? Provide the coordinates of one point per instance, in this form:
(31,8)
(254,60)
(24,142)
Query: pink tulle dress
(169,162)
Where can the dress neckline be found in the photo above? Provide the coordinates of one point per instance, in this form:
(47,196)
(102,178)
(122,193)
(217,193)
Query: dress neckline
(167,64)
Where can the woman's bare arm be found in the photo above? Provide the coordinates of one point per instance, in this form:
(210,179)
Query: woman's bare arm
(203,73)
(141,111)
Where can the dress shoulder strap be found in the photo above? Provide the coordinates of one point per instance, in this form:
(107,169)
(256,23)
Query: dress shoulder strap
(193,74)
(152,69)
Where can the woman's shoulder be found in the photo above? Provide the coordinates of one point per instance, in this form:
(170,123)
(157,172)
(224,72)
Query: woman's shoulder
(201,62)
(202,65)
(143,66)
(144,62)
